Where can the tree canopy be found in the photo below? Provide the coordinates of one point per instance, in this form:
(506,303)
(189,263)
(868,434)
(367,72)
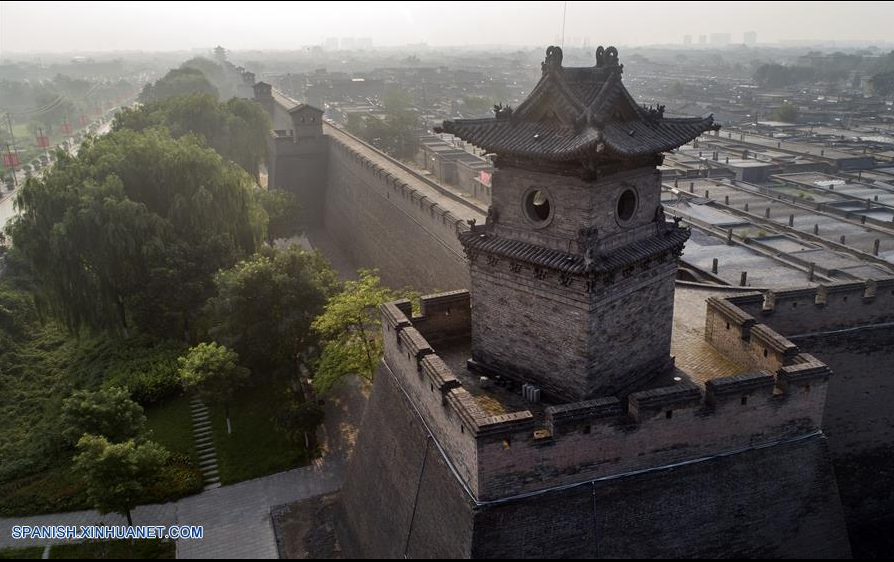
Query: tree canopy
(133,228)
(109,413)
(236,129)
(214,373)
(264,306)
(177,82)
(118,475)
(350,329)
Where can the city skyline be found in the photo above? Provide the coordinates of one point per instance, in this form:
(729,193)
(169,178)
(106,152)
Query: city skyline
(131,26)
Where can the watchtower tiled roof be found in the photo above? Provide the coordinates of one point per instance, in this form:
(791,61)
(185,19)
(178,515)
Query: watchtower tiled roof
(575,114)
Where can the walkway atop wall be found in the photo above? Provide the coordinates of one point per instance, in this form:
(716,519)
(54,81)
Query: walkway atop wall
(450,199)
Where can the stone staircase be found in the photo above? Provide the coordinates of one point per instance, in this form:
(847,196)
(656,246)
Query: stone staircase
(201,427)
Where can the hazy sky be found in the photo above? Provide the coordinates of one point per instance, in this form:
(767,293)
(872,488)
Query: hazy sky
(111,26)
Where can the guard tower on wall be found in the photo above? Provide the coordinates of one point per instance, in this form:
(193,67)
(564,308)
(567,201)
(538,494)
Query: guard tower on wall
(540,413)
(572,275)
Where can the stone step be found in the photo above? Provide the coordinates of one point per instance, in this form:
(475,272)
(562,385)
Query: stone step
(204,422)
(198,409)
(210,464)
(202,412)
(204,456)
(212,486)
(212,473)
(204,440)
(202,433)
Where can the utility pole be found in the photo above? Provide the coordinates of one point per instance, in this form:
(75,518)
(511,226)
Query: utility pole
(13,156)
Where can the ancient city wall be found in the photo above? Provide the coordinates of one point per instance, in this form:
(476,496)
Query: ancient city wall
(382,221)
(848,327)
(499,456)
(818,309)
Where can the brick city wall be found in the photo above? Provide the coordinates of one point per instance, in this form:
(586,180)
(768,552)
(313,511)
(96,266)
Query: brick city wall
(498,456)
(848,327)
(381,221)
(402,498)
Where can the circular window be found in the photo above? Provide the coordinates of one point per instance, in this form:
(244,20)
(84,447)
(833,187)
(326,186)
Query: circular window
(626,205)
(537,207)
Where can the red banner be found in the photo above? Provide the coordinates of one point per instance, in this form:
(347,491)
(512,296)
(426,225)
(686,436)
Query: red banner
(484,177)
(10,159)
(66,129)
(82,119)
(96,110)
(43,141)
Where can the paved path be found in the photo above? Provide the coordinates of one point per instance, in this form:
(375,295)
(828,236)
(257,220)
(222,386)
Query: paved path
(236,518)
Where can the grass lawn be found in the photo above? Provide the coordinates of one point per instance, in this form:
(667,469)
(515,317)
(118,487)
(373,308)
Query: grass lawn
(255,448)
(170,424)
(147,548)
(21,553)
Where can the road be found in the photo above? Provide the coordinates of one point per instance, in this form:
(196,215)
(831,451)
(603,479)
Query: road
(7,210)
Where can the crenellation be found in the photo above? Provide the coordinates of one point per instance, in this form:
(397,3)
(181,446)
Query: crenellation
(648,404)
(739,387)
(595,438)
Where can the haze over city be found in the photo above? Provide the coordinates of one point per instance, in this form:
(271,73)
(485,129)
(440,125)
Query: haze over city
(29,27)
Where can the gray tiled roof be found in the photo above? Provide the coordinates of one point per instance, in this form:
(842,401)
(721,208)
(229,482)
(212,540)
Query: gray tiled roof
(575,113)
(671,239)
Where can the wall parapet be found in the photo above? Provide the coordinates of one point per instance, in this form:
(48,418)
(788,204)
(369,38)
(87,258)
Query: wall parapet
(820,308)
(500,455)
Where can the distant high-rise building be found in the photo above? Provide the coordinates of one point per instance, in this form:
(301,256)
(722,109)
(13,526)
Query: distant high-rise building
(687,39)
(749,38)
(331,44)
(364,43)
(702,39)
(348,43)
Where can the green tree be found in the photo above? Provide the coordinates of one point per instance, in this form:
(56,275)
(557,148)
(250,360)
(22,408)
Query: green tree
(213,372)
(298,419)
(117,475)
(350,329)
(109,413)
(134,228)
(176,82)
(222,79)
(283,213)
(264,306)
(237,129)
(787,113)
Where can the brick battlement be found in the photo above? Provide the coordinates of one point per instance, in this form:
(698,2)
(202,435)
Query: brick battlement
(780,397)
(817,309)
(398,186)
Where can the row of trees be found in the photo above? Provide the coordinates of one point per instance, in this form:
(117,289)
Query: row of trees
(236,129)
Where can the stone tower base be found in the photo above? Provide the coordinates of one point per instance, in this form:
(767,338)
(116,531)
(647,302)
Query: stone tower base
(401,499)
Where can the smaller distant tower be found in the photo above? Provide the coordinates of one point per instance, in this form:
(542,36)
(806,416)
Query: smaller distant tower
(220,54)
(750,38)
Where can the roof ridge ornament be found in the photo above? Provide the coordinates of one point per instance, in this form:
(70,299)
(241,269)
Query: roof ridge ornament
(553,59)
(606,56)
(502,111)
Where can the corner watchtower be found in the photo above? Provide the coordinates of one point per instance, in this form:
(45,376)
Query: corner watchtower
(572,274)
